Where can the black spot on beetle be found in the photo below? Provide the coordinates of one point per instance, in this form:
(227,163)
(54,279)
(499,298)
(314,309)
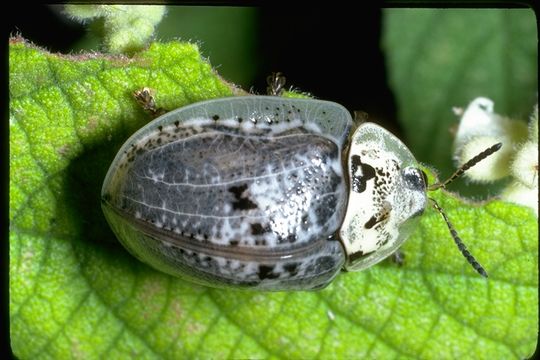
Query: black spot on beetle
(291,238)
(233,242)
(160,128)
(238,190)
(358,255)
(250,283)
(385,240)
(241,202)
(215,117)
(382,215)
(240,119)
(267,272)
(371,222)
(258,229)
(359,182)
(260,242)
(291,268)
(177,123)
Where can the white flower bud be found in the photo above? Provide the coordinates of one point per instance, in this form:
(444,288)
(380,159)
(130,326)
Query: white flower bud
(522,195)
(525,165)
(492,168)
(479,128)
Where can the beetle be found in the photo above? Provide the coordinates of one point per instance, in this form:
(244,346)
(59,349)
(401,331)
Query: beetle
(266,193)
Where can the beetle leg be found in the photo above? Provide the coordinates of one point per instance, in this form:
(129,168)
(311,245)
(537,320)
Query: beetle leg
(398,257)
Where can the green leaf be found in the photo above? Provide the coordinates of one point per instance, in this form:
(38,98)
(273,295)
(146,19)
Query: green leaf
(76,293)
(440,58)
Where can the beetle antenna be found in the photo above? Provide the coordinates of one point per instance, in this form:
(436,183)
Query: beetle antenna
(461,246)
(469,164)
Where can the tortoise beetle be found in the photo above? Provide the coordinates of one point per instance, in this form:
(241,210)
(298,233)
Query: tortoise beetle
(251,192)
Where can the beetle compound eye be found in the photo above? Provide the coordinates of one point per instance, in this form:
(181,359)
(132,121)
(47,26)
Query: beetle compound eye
(414,179)
(424,176)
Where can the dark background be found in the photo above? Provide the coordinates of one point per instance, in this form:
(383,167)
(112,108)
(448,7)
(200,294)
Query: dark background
(329,52)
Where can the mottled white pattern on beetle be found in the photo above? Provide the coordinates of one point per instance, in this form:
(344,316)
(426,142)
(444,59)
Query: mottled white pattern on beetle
(251,124)
(293,207)
(363,206)
(391,196)
(260,189)
(262,193)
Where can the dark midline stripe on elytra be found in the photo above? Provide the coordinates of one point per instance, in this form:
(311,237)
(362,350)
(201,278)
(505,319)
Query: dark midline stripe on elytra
(237,252)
